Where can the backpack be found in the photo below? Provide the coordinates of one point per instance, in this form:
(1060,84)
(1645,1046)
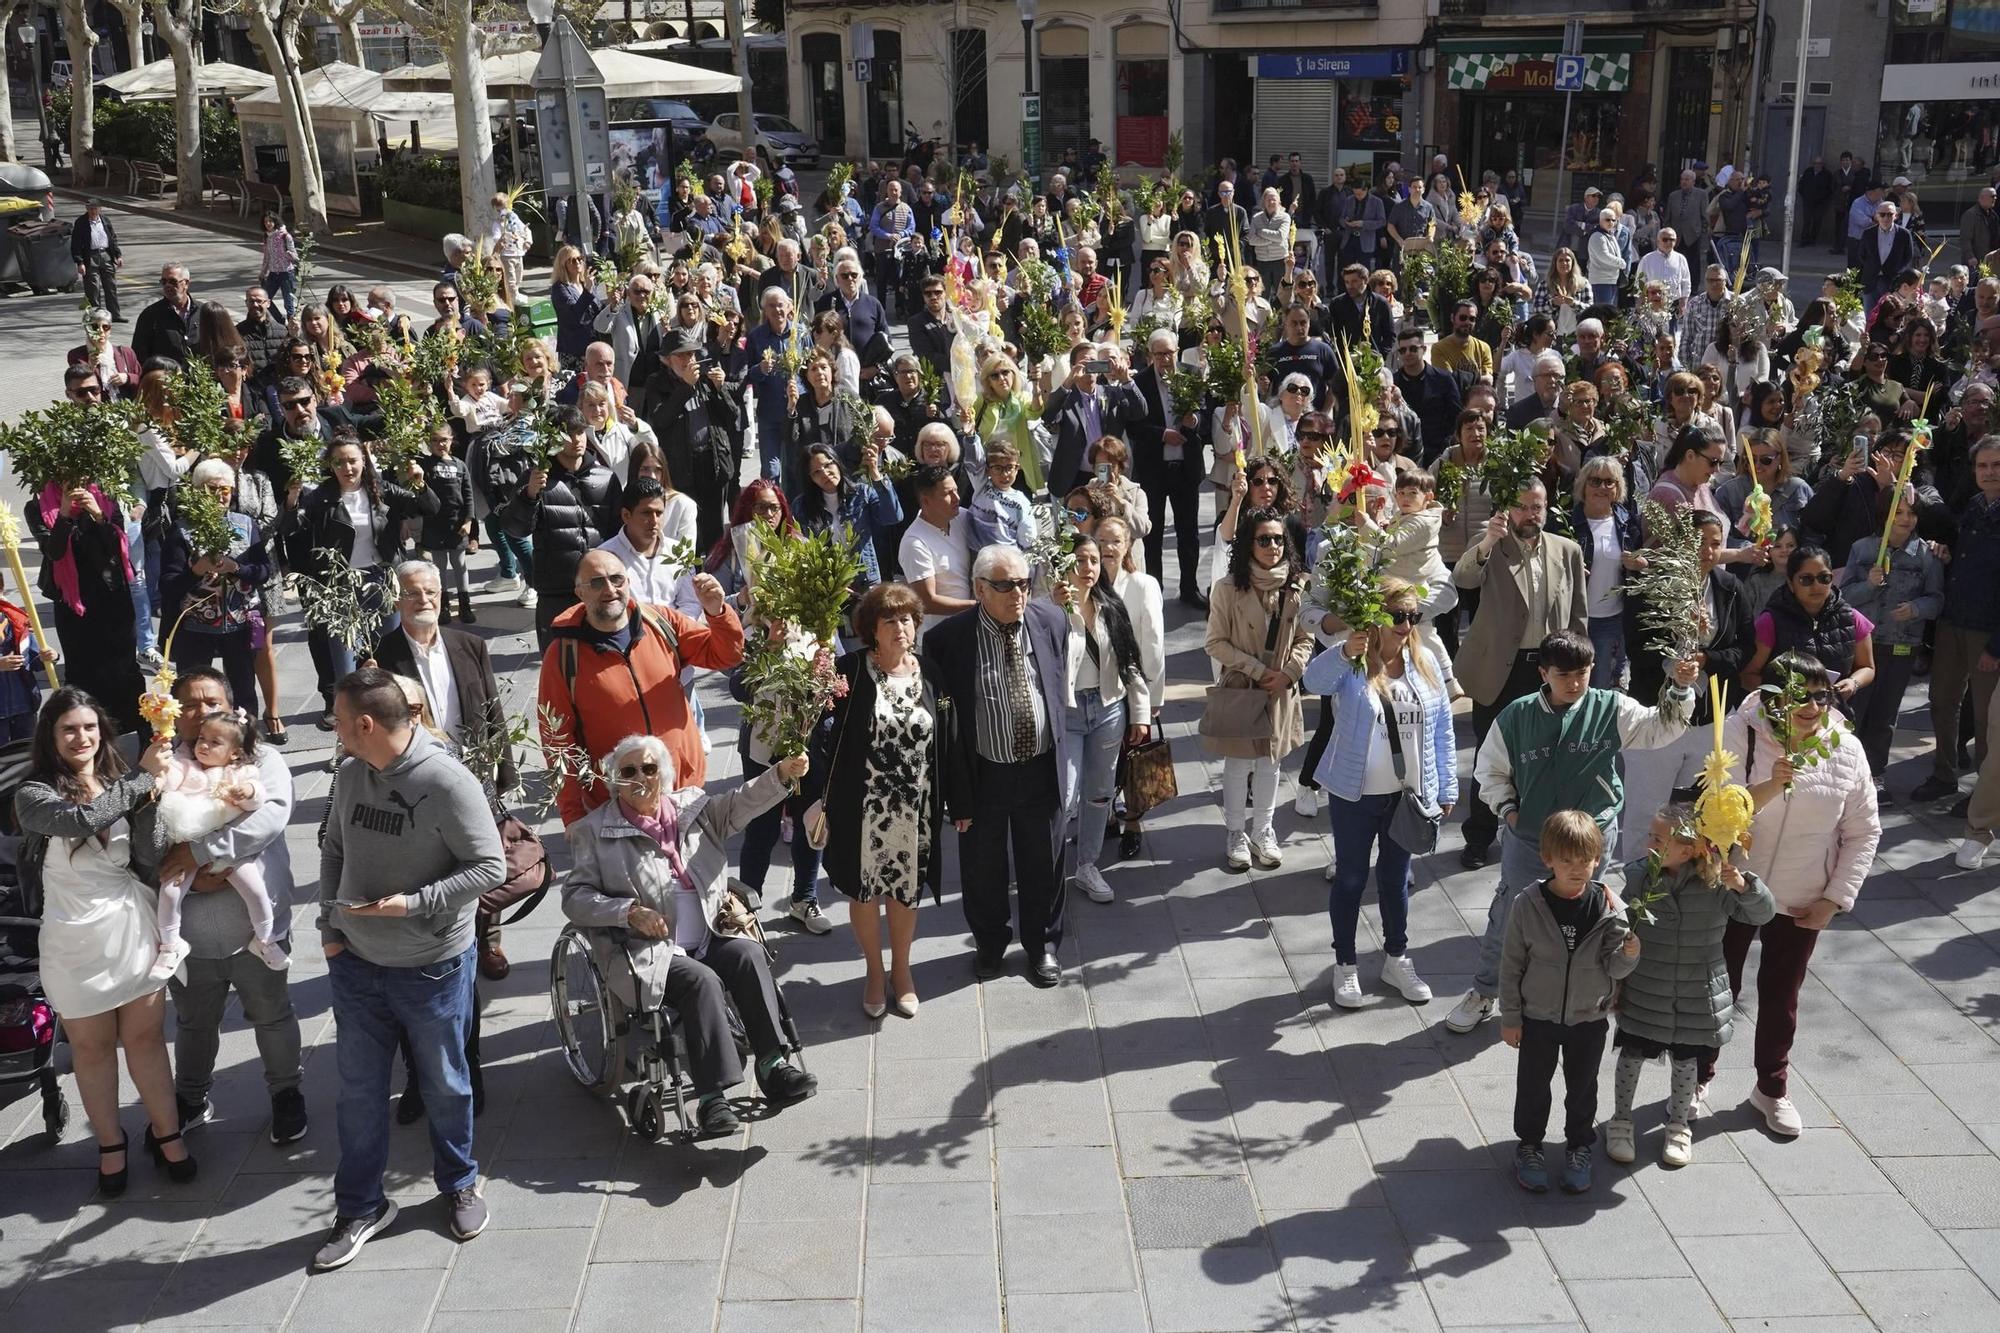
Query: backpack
(566,652)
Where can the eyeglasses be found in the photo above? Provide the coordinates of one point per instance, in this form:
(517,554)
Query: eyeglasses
(296,404)
(769,507)
(1298,388)
(650,768)
(1405,617)
(1268,479)
(1387,432)
(1683,393)
(1317,436)
(605,582)
(1270,540)
(1009,585)
(1765,460)
(1608,483)
(1823,578)
(1824,698)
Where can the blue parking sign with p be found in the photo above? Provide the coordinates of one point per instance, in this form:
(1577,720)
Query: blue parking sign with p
(1569,74)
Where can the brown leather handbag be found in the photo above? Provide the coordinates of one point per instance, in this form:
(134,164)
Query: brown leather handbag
(1149,780)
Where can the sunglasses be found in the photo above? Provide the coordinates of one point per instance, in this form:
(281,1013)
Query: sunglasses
(1713,460)
(295,404)
(649,768)
(1270,539)
(1608,483)
(605,581)
(1765,460)
(1405,617)
(1009,585)
(1319,436)
(1824,698)
(1391,433)
(1821,579)
(1298,388)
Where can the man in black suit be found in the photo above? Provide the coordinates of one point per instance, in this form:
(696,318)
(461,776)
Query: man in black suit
(1295,192)
(94,246)
(166,327)
(1215,221)
(1168,464)
(1004,666)
(1883,251)
(1358,312)
(932,329)
(1431,393)
(456,672)
(1081,412)
(1851,179)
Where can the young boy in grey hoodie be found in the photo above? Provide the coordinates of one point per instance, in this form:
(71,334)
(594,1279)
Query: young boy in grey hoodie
(1566,946)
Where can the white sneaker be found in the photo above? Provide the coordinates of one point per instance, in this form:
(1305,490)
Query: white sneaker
(808,915)
(1971,852)
(1779,1113)
(1470,1012)
(1091,880)
(1399,972)
(527,598)
(1264,851)
(1236,851)
(501,583)
(1678,1147)
(1347,986)
(1306,803)
(1618,1144)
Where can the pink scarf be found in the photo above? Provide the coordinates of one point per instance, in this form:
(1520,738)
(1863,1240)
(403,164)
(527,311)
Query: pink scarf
(67,586)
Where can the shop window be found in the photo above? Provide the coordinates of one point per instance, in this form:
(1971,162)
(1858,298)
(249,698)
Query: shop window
(825,111)
(1064,83)
(1140,83)
(968,87)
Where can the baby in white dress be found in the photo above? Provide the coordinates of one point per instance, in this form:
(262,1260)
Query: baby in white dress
(215,788)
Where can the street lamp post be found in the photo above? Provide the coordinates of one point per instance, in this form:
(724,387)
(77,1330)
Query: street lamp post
(1031,102)
(29,36)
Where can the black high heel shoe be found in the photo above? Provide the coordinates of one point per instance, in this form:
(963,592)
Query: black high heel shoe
(113,1185)
(180,1172)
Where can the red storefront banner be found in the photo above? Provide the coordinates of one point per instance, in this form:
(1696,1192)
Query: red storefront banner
(1141,139)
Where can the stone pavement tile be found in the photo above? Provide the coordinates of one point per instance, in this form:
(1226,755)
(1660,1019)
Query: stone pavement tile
(629,1296)
(524,1193)
(1164,1143)
(1018,1059)
(1825,1323)
(1950,1191)
(389,1298)
(830,1116)
(1190,1291)
(1910,1124)
(1611,1232)
(794,1186)
(914,1150)
(941,1218)
(938,1293)
(1012,1006)
(787,1317)
(519,1270)
(1858,1233)
(1819,1161)
(1051,1114)
(1154,1083)
(1712,1199)
(83,1302)
(1248,951)
(500,1321)
(1059,1180)
(1918,1023)
(259,1207)
(1348,1267)
(1471,1206)
(1506,1280)
(1646,1305)
(782,1261)
(1191,1212)
(1952,1301)
(650,1221)
(1065,1252)
(1159,1028)
(1288,1172)
(1079,1312)
(234,1283)
(120,1240)
(953,1086)
(1766,1275)
(1972,1092)
(1421,1138)
(1979,1250)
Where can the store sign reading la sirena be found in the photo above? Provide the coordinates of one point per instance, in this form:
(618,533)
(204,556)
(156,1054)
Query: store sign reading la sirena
(1334,65)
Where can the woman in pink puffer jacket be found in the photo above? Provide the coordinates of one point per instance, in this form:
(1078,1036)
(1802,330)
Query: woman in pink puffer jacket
(1812,846)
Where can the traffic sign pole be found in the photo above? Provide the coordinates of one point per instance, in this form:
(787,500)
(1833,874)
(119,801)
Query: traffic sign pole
(1798,120)
(1572,46)
(571,124)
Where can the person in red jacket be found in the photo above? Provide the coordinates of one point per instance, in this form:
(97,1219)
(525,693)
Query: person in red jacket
(612,670)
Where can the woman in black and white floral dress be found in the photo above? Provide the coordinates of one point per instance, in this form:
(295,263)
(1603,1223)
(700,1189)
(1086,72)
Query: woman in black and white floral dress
(882,748)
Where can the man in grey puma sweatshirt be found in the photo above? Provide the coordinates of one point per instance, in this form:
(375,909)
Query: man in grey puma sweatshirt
(410,845)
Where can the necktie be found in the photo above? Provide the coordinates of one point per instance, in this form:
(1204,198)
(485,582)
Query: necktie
(1019,702)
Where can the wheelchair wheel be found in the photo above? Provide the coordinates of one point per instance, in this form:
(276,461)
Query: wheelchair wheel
(582,1008)
(645,1114)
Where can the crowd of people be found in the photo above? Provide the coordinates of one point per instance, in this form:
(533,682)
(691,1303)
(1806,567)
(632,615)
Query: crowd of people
(1005,400)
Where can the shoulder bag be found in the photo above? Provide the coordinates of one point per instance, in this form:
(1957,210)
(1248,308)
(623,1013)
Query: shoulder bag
(1243,712)
(527,880)
(1149,779)
(1414,822)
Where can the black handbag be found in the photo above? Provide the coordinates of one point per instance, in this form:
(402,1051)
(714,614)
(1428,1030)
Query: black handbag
(1415,820)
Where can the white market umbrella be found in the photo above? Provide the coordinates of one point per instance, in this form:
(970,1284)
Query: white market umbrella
(155,82)
(512,73)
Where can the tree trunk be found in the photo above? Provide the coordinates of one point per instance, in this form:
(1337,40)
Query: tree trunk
(7,150)
(732,21)
(177,32)
(347,31)
(475,130)
(276,37)
(83,92)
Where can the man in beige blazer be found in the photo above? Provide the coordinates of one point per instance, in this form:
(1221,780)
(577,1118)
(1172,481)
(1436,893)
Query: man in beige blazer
(1530,585)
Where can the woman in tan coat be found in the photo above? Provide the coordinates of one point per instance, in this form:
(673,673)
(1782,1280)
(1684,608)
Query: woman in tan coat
(1261,647)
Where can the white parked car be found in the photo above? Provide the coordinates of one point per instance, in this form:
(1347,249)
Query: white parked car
(784,141)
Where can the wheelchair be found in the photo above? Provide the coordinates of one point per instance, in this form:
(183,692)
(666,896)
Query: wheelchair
(638,1059)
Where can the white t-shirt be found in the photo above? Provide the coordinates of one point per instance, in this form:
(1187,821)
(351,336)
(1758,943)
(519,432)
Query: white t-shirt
(943,557)
(1601,588)
(361,513)
(434,673)
(1380,777)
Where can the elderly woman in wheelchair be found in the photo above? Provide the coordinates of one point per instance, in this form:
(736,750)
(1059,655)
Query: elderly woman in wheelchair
(667,936)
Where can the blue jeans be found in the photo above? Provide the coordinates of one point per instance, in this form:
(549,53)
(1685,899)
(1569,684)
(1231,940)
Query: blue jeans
(373,1007)
(1607,636)
(760,838)
(332,658)
(1520,866)
(517,554)
(1096,728)
(1728,253)
(283,289)
(1358,826)
(142,600)
(1604,293)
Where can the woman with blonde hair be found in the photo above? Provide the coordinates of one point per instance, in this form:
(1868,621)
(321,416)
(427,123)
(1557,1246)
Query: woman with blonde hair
(1120,568)
(577,298)
(1003,413)
(1378,679)
(1577,431)
(1563,294)
(1190,270)
(1605,523)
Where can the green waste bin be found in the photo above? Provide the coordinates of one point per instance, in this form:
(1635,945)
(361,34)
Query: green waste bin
(538,317)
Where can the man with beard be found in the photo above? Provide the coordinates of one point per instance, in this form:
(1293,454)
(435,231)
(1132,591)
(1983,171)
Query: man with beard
(698,424)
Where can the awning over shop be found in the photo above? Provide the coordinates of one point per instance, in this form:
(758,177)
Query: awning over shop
(1472,71)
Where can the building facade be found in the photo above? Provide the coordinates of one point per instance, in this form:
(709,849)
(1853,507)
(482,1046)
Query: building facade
(1938,120)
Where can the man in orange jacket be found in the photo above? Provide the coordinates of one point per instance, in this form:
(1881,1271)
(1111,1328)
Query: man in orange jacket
(612,670)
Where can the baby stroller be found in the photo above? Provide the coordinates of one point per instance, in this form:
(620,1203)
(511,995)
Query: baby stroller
(30,1031)
(607,1044)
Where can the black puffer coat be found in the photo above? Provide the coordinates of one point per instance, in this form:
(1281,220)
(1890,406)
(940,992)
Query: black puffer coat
(321,524)
(575,512)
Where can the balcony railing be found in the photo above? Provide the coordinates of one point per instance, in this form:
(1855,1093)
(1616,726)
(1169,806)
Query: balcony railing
(1361,8)
(1479,9)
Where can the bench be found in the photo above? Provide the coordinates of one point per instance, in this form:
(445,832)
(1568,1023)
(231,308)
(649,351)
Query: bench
(118,166)
(150,176)
(230,188)
(263,197)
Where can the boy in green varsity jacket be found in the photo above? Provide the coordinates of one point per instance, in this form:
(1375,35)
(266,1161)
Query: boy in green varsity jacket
(1555,750)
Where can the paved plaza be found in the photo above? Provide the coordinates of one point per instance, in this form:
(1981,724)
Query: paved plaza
(1183,1137)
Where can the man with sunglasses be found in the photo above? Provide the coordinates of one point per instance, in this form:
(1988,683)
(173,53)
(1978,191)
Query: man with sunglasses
(166,327)
(1004,668)
(1883,251)
(452,313)
(300,417)
(1429,392)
